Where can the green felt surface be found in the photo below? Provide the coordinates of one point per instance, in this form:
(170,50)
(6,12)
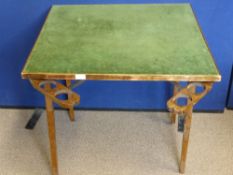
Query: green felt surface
(121,39)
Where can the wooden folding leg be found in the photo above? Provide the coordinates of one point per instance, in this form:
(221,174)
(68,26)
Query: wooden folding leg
(173,117)
(173,113)
(71,110)
(187,125)
(52,135)
(192,97)
(51,90)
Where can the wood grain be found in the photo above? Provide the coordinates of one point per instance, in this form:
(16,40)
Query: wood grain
(52,133)
(187,125)
(173,113)
(71,109)
(126,77)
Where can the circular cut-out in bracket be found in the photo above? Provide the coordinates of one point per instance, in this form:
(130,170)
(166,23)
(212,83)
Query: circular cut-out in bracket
(52,84)
(60,94)
(182,100)
(199,88)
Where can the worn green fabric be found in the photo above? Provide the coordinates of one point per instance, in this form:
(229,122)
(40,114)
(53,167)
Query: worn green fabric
(121,39)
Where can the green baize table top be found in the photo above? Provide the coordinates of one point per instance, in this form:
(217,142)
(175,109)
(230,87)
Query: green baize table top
(161,41)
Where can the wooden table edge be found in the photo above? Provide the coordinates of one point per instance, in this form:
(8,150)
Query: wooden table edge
(127,77)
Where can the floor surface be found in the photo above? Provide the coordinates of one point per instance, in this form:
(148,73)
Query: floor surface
(116,143)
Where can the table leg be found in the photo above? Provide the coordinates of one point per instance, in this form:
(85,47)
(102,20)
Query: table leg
(52,135)
(173,113)
(188,92)
(187,125)
(71,110)
(51,89)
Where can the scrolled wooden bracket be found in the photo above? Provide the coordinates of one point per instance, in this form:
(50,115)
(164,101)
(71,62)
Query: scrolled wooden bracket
(189,92)
(55,90)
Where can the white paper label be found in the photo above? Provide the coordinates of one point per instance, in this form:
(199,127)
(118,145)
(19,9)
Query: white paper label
(80,77)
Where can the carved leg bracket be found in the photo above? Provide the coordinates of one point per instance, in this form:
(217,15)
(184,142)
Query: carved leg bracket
(192,93)
(52,90)
(56,89)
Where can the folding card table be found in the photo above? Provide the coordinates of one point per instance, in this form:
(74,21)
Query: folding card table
(152,42)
